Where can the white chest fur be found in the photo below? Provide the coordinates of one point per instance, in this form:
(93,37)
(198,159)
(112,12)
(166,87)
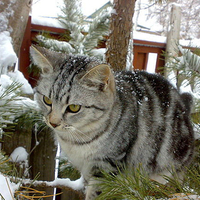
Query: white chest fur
(81,156)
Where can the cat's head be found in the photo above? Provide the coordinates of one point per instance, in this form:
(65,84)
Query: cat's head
(74,91)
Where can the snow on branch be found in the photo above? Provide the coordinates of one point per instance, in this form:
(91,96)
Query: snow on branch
(55,45)
(62,183)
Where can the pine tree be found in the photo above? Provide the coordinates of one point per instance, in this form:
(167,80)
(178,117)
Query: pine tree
(79,40)
(185,72)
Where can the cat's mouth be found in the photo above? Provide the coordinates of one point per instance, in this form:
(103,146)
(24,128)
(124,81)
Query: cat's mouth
(51,124)
(58,127)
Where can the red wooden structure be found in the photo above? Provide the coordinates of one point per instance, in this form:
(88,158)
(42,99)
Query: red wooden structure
(141,49)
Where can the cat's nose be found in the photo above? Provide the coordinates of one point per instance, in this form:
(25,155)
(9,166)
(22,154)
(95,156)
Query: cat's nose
(54,125)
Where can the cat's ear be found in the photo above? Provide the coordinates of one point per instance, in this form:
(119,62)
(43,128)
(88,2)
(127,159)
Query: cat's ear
(40,60)
(100,77)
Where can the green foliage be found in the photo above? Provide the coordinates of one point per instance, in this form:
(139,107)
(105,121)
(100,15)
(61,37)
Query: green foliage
(129,184)
(187,67)
(66,170)
(135,184)
(186,70)
(7,108)
(5,166)
(31,117)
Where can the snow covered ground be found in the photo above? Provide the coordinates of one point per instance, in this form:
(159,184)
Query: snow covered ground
(7,188)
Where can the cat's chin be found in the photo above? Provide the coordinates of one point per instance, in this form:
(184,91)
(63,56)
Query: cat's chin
(59,131)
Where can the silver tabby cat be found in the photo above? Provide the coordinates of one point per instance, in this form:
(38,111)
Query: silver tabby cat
(103,119)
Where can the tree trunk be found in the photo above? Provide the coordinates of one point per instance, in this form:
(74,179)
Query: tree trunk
(15,16)
(173,34)
(173,37)
(120,33)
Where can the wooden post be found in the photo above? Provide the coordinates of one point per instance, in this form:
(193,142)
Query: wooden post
(42,159)
(24,59)
(173,35)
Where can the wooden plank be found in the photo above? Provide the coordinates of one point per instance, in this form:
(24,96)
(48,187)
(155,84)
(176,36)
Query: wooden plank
(24,60)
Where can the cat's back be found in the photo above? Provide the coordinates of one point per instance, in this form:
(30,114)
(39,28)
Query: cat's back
(163,133)
(144,86)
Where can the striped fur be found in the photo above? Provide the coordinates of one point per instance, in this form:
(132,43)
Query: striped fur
(125,118)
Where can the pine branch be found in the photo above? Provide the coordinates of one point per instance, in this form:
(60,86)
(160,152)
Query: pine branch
(135,184)
(186,68)
(97,29)
(7,108)
(55,45)
(10,91)
(65,184)
(190,61)
(72,20)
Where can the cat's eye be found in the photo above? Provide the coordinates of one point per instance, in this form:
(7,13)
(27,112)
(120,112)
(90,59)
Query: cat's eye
(73,108)
(47,101)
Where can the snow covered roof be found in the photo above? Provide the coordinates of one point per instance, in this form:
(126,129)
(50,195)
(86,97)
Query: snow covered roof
(46,21)
(137,35)
(94,14)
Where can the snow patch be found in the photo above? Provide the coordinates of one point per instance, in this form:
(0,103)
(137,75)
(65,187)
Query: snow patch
(7,189)
(5,81)
(148,37)
(99,53)
(46,21)
(17,76)
(8,56)
(113,11)
(195,43)
(19,155)
(75,185)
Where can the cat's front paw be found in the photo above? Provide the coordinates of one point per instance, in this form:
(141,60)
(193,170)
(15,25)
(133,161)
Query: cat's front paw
(92,190)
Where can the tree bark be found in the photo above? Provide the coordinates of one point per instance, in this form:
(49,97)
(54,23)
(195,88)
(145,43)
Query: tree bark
(15,15)
(173,34)
(173,37)
(120,30)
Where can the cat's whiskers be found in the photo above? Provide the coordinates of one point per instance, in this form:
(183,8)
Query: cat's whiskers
(80,137)
(77,130)
(83,134)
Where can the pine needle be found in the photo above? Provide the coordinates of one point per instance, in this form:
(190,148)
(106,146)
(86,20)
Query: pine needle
(39,194)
